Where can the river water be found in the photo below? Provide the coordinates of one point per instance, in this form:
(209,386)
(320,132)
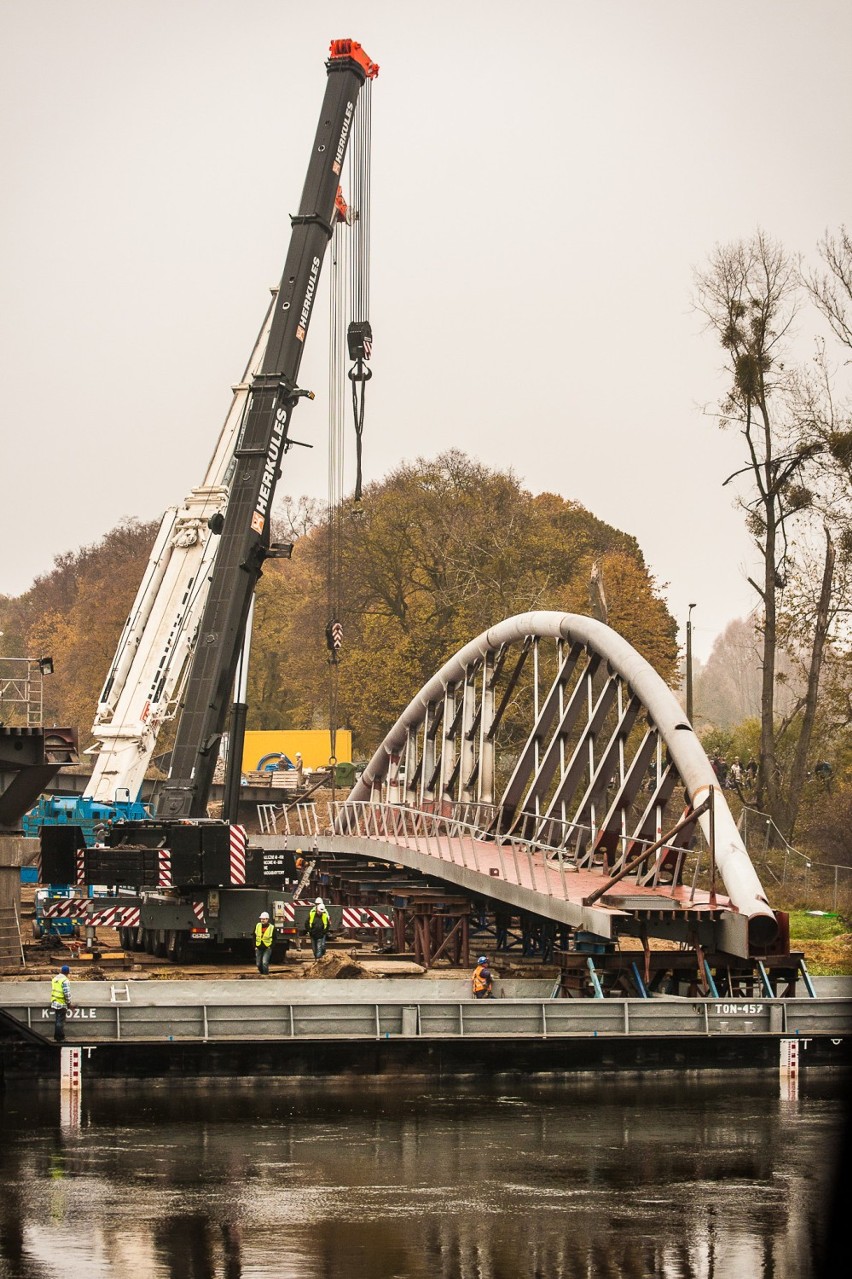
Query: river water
(694,1179)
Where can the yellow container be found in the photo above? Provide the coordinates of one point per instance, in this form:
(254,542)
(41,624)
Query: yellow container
(262,748)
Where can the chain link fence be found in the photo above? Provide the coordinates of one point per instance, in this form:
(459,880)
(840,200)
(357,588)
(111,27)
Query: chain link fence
(793,879)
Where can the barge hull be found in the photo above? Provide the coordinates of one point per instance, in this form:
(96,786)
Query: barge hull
(259,1062)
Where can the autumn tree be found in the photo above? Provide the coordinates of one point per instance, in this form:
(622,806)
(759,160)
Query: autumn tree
(436,552)
(795,493)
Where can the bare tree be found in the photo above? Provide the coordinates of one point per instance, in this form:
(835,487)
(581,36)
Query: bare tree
(750,293)
(831,286)
(728,686)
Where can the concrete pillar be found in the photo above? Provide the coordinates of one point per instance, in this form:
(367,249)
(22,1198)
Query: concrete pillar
(15,851)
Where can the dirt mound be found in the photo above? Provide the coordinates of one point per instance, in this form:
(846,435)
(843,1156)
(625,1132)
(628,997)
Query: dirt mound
(834,952)
(334,966)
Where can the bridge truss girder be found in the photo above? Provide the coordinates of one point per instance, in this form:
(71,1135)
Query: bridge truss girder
(549,727)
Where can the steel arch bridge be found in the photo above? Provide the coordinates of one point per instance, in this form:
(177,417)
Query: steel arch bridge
(550,732)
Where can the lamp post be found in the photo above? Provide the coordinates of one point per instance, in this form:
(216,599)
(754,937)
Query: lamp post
(689,663)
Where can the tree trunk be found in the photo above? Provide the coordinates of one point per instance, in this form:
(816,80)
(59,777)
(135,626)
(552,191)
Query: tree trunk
(767,788)
(800,757)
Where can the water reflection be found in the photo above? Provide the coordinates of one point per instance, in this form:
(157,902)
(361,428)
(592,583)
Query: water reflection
(686,1181)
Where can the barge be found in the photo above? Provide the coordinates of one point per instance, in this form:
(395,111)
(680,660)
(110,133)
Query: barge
(413,1026)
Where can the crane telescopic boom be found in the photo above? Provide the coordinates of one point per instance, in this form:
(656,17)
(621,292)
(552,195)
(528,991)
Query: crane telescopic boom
(263,441)
(143,685)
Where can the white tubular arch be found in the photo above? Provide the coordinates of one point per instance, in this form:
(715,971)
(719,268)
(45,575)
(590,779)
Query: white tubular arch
(732,860)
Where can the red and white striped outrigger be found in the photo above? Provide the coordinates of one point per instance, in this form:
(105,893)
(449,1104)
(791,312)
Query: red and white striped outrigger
(353,917)
(238,841)
(112,916)
(117,916)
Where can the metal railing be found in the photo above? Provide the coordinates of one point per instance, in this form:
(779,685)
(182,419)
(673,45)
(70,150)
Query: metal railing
(527,863)
(828,883)
(297,820)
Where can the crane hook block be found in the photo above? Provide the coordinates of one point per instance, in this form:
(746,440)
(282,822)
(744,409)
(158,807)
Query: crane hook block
(352,49)
(359,338)
(334,636)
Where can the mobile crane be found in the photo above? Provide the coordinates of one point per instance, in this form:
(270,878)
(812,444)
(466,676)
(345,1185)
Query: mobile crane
(198,877)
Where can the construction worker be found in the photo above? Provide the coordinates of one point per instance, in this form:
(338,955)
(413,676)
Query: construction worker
(317,927)
(264,935)
(60,1002)
(483,981)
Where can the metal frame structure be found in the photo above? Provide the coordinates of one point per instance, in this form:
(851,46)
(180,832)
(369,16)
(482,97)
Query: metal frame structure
(22,688)
(551,729)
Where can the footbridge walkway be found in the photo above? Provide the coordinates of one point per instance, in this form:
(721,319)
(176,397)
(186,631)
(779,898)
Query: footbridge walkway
(530,875)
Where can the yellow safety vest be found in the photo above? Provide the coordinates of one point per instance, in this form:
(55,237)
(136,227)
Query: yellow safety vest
(263,936)
(323,917)
(57,991)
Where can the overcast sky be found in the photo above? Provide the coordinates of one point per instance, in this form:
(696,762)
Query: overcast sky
(546,177)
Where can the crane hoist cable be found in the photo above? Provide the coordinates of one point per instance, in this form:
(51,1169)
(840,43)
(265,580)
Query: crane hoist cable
(349,295)
(337,312)
(360,334)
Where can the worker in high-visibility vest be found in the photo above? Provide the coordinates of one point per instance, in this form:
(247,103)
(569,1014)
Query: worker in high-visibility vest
(60,1002)
(317,927)
(264,935)
(482,982)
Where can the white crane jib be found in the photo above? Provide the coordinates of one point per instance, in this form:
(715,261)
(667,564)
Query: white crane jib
(142,689)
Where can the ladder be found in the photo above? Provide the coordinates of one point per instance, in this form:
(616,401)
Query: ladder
(11,947)
(306,875)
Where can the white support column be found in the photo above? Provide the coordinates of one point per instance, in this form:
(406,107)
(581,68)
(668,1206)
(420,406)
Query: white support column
(427,755)
(408,791)
(560,655)
(448,745)
(467,750)
(536,743)
(485,779)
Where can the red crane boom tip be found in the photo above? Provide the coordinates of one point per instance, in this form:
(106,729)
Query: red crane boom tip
(352,49)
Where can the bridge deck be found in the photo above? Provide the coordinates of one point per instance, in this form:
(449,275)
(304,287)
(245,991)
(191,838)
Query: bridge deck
(549,886)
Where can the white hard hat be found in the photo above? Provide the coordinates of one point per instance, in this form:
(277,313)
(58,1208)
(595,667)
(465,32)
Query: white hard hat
(319,902)
(264,914)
